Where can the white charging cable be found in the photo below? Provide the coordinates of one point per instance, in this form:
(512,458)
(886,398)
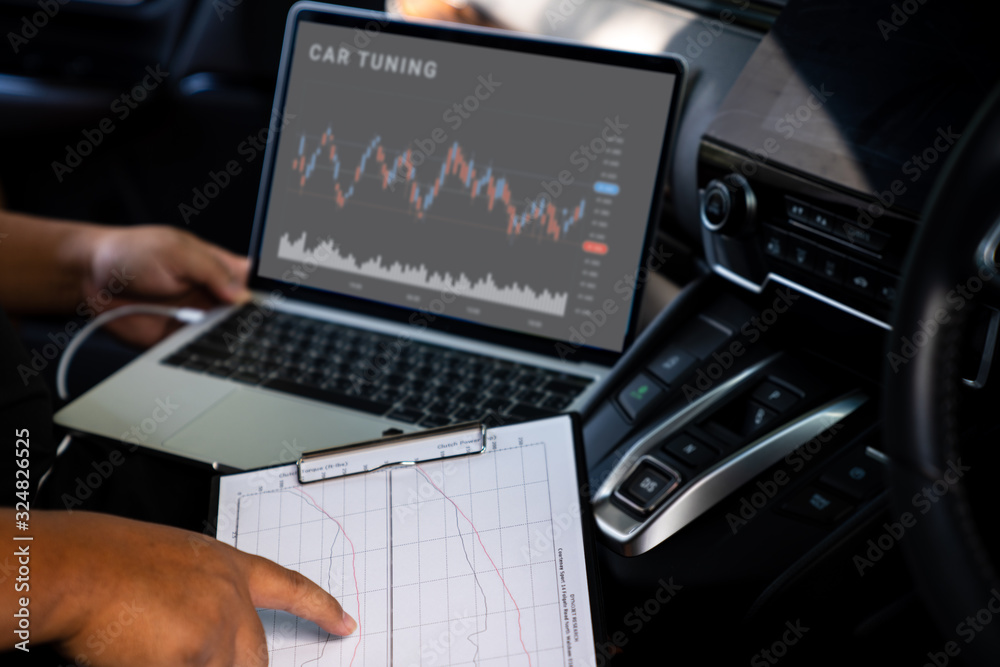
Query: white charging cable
(59,450)
(189,315)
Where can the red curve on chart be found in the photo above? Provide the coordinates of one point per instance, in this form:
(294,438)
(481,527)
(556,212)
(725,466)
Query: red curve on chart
(520,632)
(357,591)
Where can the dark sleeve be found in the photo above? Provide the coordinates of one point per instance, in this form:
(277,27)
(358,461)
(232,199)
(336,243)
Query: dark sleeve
(24,406)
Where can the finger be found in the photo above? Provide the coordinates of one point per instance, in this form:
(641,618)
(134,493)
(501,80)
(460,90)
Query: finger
(275,587)
(200,265)
(238,265)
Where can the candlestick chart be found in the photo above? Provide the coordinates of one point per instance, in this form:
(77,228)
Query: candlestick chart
(435,216)
(481,184)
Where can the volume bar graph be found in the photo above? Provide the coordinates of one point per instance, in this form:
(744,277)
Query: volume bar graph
(327,255)
(485,187)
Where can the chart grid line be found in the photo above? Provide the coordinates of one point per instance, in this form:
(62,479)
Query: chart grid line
(421,585)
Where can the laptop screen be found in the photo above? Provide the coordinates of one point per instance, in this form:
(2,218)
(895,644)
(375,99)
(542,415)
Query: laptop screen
(506,188)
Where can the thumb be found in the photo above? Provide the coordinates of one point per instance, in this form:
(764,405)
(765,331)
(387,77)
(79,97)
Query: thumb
(238,266)
(207,267)
(275,587)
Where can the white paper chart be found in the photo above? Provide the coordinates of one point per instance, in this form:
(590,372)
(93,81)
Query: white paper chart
(475,560)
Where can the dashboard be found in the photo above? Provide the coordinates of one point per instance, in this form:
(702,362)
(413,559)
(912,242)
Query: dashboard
(814,170)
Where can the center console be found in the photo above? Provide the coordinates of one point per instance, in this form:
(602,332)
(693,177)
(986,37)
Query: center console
(816,167)
(724,399)
(811,177)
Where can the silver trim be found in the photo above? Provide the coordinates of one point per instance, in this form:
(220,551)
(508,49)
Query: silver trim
(304,466)
(632,537)
(746,283)
(689,414)
(735,182)
(877,454)
(712,226)
(986,361)
(987,249)
(986,255)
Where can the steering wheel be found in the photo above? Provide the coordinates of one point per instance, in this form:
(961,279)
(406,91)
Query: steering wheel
(940,474)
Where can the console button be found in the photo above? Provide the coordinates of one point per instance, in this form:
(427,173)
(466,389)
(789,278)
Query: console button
(648,486)
(757,417)
(672,364)
(815,504)
(856,475)
(869,239)
(821,220)
(886,288)
(774,243)
(797,210)
(831,266)
(774,396)
(802,255)
(639,397)
(807,214)
(862,278)
(691,451)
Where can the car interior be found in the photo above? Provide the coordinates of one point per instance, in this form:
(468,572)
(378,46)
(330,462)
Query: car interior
(789,463)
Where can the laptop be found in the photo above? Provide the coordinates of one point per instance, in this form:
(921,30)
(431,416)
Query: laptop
(450,226)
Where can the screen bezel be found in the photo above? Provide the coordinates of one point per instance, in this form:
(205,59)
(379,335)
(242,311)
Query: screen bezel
(490,38)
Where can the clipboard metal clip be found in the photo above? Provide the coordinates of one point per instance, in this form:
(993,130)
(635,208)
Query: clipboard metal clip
(408,449)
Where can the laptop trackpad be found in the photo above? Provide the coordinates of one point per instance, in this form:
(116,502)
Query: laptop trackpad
(253,428)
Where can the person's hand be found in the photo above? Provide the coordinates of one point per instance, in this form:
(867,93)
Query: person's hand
(158,264)
(133,593)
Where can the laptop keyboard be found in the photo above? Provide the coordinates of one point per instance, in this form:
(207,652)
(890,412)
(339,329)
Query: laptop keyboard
(380,374)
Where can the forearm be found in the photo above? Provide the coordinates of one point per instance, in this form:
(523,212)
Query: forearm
(43,263)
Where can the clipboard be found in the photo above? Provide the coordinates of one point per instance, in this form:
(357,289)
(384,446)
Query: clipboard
(560,561)
(405,449)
